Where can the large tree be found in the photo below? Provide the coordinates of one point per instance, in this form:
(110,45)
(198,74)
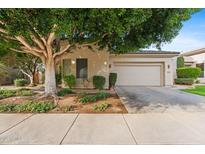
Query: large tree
(38,31)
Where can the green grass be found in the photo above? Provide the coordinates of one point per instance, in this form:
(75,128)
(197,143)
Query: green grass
(199,90)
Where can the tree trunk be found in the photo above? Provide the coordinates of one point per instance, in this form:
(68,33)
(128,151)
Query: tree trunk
(50,80)
(31,81)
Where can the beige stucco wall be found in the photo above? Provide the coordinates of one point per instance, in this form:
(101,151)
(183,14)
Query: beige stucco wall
(167,62)
(97,65)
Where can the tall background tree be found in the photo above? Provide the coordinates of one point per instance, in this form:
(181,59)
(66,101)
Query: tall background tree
(28,65)
(38,31)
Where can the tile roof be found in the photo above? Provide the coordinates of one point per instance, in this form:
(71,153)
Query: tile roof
(153,52)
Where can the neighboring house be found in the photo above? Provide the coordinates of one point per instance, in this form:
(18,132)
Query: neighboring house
(195,58)
(143,68)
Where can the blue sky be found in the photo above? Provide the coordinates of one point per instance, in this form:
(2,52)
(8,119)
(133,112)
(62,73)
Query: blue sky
(191,36)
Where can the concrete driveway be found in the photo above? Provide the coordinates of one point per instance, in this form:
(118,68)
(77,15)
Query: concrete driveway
(149,128)
(159,99)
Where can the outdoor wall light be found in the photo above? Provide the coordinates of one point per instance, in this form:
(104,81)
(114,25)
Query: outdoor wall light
(105,63)
(168,66)
(73,61)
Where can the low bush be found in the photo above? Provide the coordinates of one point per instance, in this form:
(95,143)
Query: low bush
(101,107)
(58,78)
(89,98)
(112,79)
(70,80)
(64,92)
(98,82)
(4,93)
(36,107)
(82,94)
(102,95)
(185,81)
(94,98)
(188,72)
(20,82)
(7,107)
(23,92)
(67,108)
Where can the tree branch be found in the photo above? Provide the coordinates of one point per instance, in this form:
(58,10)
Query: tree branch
(25,73)
(3,31)
(37,41)
(22,40)
(51,37)
(62,51)
(16,50)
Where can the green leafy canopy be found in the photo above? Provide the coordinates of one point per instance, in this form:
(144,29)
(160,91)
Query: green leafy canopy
(121,30)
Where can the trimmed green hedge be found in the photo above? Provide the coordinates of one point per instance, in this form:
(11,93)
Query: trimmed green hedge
(188,72)
(112,79)
(98,82)
(186,81)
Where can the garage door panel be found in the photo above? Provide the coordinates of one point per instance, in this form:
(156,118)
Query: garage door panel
(140,75)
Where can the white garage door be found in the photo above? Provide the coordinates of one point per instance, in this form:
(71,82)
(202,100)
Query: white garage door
(139,74)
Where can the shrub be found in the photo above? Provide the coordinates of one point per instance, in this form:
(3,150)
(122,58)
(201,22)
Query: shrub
(64,91)
(180,62)
(102,95)
(188,72)
(94,98)
(98,82)
(7,107)
(186,81)
(101,107)
(58,78)
(112,79)
(24,92)
(89,98)
(70,80)
(31,106)
(82,94)
(67,108)
(20,82)
(4,93)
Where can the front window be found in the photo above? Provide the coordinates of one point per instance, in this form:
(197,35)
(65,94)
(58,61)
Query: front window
(82,68)
(201,66)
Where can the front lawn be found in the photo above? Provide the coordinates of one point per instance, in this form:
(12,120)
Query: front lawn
(199,90)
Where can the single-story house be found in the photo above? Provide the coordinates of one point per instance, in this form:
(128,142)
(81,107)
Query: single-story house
(195,58)
(142,68)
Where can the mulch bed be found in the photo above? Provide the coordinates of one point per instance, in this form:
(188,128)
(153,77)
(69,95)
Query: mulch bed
(70,104)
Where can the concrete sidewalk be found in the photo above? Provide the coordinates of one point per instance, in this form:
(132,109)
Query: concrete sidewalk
(149,128)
